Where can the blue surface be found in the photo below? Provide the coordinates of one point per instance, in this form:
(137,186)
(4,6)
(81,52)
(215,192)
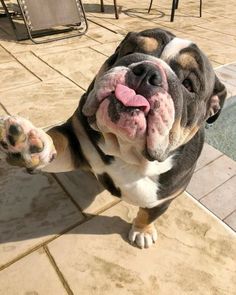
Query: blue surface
(222,135)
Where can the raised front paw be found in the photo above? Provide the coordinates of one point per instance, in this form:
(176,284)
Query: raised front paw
(25,145)
(143,237)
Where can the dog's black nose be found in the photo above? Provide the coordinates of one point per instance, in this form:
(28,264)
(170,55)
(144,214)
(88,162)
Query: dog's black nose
(148,73)
(145,78)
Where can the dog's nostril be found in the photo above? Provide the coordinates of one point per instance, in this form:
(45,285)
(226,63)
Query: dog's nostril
(155,79)
(139,70)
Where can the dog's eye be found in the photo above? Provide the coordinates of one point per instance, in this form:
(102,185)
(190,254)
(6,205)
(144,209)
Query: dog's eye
(188,85)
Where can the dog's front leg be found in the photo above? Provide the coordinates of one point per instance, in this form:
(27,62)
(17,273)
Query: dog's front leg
(25,145)
(143,232)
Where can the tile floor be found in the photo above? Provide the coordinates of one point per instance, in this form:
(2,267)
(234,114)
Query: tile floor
(63,234)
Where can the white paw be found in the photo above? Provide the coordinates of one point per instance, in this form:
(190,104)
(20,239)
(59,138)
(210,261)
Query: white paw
(143,238)
(23,144)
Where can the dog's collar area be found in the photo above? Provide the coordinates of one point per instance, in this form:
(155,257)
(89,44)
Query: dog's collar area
(208,125)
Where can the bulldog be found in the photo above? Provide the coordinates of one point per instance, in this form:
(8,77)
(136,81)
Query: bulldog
(139,127)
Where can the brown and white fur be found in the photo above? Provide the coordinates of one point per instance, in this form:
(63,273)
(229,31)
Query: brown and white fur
(139,127)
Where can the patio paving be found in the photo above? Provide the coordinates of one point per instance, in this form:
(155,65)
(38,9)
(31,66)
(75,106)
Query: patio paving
(64,234)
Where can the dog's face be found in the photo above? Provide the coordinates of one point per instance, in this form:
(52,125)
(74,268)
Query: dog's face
(154,93)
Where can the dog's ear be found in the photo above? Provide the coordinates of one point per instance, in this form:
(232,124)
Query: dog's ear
(216,101)
(113,58)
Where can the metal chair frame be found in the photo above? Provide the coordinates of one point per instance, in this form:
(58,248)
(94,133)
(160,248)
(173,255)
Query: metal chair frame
(81,28)
(175,5)
(115,8)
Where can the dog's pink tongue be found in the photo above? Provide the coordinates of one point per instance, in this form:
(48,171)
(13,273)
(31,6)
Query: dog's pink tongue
(129,98)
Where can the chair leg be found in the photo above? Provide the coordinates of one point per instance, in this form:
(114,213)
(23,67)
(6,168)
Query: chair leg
(200,8)
(177,4)
(8,14)
(102,6)
(173,11)
(116,10)
(150,6)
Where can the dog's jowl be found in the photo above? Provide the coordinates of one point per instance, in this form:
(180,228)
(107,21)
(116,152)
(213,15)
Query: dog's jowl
(139,127)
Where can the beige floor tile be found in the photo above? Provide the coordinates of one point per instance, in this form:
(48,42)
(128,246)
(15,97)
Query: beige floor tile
(219,37)
(103,35)
(103,22)
(107,48)
(215,64)
(79,66)
(231,220)
(46,103)
(223,25)
(75,43)
(211,176)
(30,276)
(8,42)
(232,67)
(33,209)
(36,66)
(195,254)
(227,75)
(86,191)
(222,201)
(2,111)
(5,56)
(208,155)
(14,75)
(231,89)
(129,24)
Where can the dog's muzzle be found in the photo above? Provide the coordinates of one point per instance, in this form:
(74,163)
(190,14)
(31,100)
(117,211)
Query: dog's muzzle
(134,104)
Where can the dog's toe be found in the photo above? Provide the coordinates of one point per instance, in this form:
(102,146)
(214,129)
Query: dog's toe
(143,238)
(23,144)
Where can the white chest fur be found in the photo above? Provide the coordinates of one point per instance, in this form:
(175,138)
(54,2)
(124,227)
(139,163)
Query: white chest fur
(138,184)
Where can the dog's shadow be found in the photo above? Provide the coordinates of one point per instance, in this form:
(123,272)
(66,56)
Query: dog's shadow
(37,206)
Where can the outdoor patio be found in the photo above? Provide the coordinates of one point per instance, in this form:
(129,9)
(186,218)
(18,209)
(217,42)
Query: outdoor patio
(63,234)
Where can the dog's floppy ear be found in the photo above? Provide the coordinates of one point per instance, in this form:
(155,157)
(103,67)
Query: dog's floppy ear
(216,101)
(113,58)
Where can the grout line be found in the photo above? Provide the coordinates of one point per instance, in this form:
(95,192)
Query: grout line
(22,255)
(20,86)
(234,211)
(100,25)
(16,59)
(218,32)
(57,270)
(225,65)
(5,109)
(215,188)
(99,42)
(211,213)
(56,236)
(68,194)
(94,49)
(59,72)
(210,161)
(86,215)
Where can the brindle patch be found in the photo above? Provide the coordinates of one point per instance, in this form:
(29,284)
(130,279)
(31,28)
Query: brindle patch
(108,183)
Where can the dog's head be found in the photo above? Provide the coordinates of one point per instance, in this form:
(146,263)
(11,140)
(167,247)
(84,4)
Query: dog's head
(153,94)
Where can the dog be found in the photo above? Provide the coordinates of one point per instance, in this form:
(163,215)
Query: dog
(139,127)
